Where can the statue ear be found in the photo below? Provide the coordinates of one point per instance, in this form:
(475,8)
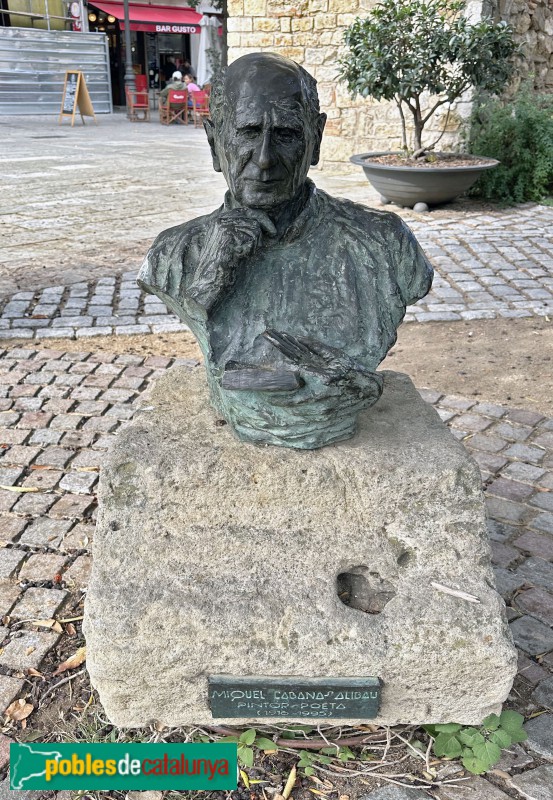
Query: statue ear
(209,129)
(320,125)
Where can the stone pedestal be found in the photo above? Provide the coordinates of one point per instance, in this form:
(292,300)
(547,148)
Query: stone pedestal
(217,557)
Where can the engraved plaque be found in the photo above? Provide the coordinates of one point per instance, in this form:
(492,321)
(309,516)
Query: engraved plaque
(292,698)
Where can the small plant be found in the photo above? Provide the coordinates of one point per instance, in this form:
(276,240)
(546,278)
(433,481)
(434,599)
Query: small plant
(478,748)
(246,742)
(519,133)
(406,49)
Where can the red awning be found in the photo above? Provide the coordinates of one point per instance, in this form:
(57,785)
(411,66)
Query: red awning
(155,19)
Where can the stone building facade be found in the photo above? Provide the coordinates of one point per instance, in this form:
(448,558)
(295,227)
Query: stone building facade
(310,32)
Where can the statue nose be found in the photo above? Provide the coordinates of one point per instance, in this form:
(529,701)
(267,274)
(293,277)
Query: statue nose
(266,155)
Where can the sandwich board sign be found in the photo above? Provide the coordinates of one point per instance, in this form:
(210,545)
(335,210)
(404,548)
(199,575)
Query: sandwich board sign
(75,95)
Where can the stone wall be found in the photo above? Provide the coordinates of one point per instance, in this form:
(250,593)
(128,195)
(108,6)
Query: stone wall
(533,24)
(310,32)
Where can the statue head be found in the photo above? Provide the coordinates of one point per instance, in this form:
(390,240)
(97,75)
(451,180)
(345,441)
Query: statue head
(265,129)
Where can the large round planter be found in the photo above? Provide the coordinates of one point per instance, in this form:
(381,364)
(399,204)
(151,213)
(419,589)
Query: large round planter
(432,185)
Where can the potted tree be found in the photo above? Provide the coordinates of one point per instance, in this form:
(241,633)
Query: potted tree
(423,55)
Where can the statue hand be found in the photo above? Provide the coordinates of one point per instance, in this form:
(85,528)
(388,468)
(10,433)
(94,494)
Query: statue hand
(329,364)
(231,237)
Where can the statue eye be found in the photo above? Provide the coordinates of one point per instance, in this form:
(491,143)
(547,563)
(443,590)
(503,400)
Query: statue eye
(286,134)
(250,133)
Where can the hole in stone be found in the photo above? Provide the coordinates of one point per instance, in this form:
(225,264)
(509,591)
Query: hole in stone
(404,558)
(363,590)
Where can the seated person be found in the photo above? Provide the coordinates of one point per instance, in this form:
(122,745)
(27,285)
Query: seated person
(175,84)
(191,86)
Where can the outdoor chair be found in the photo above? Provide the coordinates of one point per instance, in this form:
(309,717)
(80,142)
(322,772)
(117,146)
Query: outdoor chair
(141,82)
(138,105)
(175,109)
(200,106)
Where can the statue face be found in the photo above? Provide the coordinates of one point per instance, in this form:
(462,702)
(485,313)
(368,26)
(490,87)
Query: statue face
(268,140)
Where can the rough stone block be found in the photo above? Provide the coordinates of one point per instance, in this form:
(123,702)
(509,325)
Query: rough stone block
(9,689)
(217,557)
(28,650)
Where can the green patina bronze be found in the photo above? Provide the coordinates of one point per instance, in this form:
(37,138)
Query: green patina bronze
(295,297)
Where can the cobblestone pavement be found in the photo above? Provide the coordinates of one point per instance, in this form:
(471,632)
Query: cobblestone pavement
(81,206)
(58,414)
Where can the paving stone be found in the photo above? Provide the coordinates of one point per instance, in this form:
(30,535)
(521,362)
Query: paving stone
(5,742)
(543,693)
(471,422)
(10,475)
(78,573)
(517,433)
(79,538)
(28,651)
(35,504)
(9,594)
(34,419)
(10,559)
(45,436)
(530,670)
(43,479)
(500,531)
(515,757)
(489,410)
(394,793)
(538,603)
(540,735)
(473,789)
(79,482)
(503,554)
(55,457)
(535,784)
(9,689)
(72,506)
(511,490)
(45,532)
(525,452)
(538,544)
(536,572)
(88,457)
(487,461)
(76,439)
(10,527)
(41,567)
(524,417)
(39,604)
(543,500)
(532,636)
(523,472)
(543,522)
(502,509)
(507,582)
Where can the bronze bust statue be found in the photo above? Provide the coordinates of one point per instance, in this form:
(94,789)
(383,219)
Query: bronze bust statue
(294,296)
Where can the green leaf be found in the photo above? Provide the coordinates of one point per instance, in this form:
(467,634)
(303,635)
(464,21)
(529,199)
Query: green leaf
(511,721)
(309,771)
(488,751)
(501,738)
(450,727)
(448,745)
(248,737)
(232,739)
(265,744)
(474,765)
(491,723)
(470,737)
(245,756)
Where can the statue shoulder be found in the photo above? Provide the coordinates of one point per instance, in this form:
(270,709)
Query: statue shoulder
(385,233)
(173,255)
(361,216)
